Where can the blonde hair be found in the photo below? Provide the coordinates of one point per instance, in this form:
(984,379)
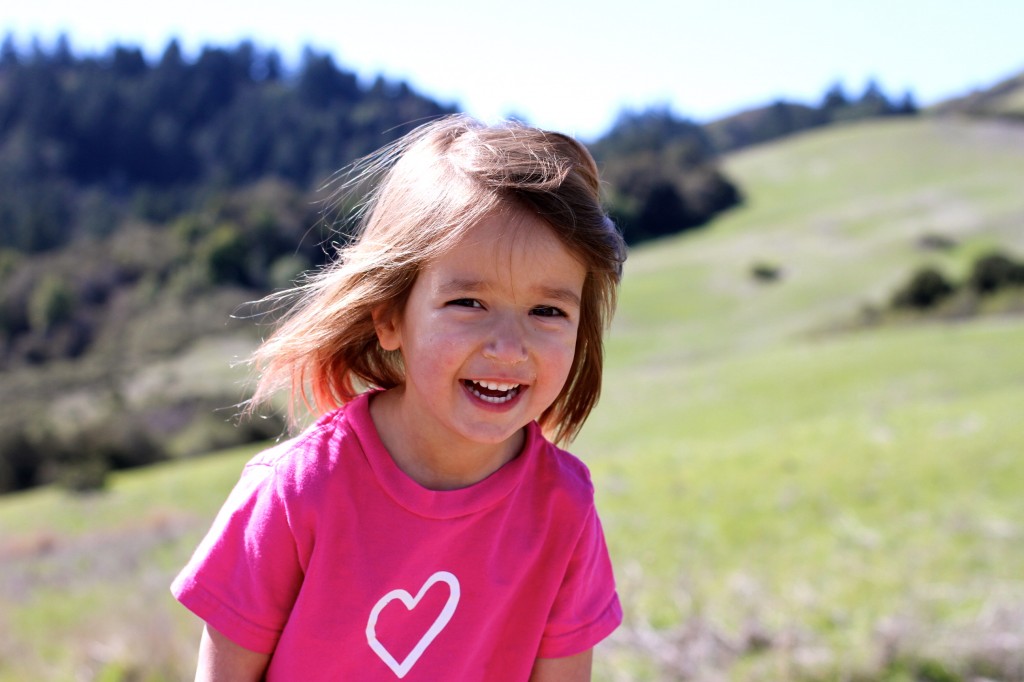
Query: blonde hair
(432,187)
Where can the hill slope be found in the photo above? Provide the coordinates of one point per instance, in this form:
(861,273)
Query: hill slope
(1005,99)
(766,486)
(777,502)
(841,212)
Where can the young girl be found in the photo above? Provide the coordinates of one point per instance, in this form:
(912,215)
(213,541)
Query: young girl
(426,529)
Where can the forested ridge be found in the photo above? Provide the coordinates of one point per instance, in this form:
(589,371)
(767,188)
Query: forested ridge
(143,200)
(146,138)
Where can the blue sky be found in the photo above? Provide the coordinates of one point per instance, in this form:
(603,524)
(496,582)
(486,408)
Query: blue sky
(573,65)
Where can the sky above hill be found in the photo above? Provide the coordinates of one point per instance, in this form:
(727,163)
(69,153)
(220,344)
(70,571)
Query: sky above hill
(573,65)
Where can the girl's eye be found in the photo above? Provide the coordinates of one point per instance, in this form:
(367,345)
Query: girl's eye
(548,311)
(466,303)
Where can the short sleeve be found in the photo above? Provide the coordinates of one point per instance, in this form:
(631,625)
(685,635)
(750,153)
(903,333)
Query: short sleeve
(244,576)
(586,609)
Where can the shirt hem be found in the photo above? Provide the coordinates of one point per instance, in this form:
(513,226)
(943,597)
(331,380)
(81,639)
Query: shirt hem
(582,639)
(224,619)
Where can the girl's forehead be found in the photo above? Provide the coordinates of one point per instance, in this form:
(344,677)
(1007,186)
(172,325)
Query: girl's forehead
(506,248)
(512,230)
(506,236)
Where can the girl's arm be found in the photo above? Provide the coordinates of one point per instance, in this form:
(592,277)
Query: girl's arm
(221,660)
(569,669)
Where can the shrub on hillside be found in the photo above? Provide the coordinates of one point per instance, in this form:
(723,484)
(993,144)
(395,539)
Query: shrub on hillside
(926,288)
(285,271)
(936,242)
(765,272)
(224,252)
(51,304)
(19,460)
(77,455)
(990,274)
(663,175)
(995,271)
(85,476)
(78,452)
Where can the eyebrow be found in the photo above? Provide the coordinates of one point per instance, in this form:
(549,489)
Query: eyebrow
(462,286)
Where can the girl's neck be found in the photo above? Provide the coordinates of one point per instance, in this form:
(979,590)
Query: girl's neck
(435,463)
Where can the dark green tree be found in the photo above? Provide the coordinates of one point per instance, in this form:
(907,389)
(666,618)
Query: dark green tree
(926,288)
(835,99)
(995,271)
(662,173)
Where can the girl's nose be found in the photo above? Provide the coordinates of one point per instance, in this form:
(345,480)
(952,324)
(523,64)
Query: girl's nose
(507,342)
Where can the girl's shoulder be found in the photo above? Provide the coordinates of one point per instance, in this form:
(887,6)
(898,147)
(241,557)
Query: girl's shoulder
(564,472)
(312,455)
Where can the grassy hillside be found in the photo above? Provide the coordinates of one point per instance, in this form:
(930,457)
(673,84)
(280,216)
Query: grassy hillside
(780,499)
(840,212)
(1004,99)
(827,497)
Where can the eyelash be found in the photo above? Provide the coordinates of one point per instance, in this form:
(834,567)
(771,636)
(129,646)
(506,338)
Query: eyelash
(549,311)
(466,303)
(540,311)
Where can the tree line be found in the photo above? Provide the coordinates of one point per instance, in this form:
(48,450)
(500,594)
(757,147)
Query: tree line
(143,200)
(86,141)
(781,118)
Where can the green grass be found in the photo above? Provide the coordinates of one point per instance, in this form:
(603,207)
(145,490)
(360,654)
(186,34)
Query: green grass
(840,212)
(829,485)
(851,499)
(753,469)
(84,591)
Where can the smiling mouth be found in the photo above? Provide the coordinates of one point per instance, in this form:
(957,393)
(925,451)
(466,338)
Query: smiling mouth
(493,392)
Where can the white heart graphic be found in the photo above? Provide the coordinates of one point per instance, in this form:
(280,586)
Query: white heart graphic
(410,602)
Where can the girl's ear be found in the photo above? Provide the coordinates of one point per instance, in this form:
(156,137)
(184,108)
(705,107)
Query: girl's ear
(386,324)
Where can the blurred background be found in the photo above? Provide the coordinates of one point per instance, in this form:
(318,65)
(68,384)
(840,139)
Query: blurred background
(808,455)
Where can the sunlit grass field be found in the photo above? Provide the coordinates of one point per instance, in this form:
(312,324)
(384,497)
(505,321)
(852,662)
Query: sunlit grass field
(783,500)
(820,493)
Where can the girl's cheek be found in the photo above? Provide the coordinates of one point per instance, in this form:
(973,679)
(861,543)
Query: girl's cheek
(563,351)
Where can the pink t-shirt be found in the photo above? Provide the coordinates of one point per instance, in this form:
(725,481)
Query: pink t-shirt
(328,556)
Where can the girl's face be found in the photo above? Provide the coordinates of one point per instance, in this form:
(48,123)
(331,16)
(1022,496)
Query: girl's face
(487,335)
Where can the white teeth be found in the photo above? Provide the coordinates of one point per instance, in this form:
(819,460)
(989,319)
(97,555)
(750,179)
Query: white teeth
(496,387)
(511,390)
